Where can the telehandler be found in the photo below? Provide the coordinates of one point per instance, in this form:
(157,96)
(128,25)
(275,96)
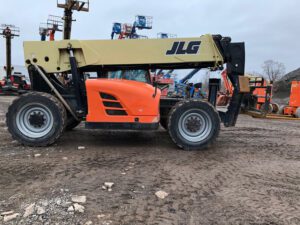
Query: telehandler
(40,117)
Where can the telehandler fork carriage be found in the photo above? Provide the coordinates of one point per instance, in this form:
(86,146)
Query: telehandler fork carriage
(130,102)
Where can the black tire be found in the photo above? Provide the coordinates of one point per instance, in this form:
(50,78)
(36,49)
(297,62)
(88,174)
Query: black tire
(72,123)
(266,111)
(194,114)
(275,108)
(164,123)
(45,123)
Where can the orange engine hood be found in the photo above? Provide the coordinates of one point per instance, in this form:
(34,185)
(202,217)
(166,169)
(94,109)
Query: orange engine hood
(121,101)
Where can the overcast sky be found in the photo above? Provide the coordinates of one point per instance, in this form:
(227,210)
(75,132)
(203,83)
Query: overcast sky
(270,28)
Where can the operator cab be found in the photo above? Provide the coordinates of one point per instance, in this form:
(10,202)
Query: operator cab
(133,75)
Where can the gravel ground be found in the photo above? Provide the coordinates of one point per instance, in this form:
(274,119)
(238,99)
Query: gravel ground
(251,176)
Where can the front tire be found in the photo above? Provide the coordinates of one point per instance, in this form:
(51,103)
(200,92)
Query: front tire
(194,124)
(36,119)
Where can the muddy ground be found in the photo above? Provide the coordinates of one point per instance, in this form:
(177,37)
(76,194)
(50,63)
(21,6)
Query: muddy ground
(251,176)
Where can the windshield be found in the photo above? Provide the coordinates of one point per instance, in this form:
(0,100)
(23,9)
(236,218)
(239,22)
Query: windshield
(135,75)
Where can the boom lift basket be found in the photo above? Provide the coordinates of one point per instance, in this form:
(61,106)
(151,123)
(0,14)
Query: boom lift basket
(74,5)
(55,23)
(15,31)
(117,28)
(43,29)
(166,35)
(127,28)
(143,22)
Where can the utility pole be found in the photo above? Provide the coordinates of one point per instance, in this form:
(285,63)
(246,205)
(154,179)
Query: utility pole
(69,6)
(9,32)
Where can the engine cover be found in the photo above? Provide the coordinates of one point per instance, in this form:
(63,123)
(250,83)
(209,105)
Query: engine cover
(122,101)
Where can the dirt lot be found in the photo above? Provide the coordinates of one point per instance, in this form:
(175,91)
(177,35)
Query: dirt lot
(251,176)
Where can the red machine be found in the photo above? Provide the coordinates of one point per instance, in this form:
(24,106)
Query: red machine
(224,97)
(164,81)
(263,91)
(18,83)
(259,98)
(129,31)
(294,106)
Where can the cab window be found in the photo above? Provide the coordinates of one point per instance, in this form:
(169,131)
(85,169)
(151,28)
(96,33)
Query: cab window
(135,75)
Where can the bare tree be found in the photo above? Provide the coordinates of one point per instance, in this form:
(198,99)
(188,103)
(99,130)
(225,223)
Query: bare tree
(273,70)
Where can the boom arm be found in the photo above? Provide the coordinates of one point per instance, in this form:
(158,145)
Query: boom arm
(147,54)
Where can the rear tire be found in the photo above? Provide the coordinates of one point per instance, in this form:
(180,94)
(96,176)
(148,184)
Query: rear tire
(36,119)
(194,124)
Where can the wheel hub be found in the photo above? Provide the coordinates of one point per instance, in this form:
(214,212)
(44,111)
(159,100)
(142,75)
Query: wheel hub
(37,119)
(34,120)
(193,124)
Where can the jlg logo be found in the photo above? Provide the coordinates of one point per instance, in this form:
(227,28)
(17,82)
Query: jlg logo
(179,48)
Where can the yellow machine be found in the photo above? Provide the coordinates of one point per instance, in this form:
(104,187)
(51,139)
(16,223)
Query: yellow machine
(130,101)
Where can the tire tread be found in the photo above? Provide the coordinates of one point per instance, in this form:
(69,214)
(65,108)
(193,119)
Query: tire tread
(50,141)
(174,139)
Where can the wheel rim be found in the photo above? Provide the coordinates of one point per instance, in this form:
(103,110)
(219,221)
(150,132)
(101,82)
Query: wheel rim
(195,125)
(34,120)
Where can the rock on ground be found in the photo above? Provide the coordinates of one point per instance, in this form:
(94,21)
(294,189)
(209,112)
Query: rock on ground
(71,209)
(7,213)
(78,208)
(40,210)
(29,210)
(10,217)
(79,199)
(109,184)
(161,194)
